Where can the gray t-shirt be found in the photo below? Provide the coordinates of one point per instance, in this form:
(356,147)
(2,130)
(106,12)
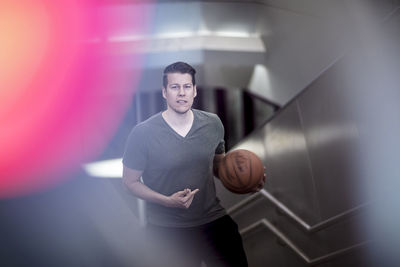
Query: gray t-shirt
(171,163)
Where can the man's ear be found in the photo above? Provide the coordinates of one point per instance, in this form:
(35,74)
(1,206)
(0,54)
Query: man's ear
(164,93)
(195,91)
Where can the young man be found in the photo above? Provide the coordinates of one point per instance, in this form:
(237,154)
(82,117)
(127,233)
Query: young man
(176,152)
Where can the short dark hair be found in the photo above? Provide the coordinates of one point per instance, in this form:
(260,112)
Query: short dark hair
(178,67)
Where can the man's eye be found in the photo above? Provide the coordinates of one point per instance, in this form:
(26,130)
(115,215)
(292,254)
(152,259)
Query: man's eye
(188,86)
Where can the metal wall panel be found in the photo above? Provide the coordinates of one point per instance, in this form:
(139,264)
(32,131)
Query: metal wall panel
(255,211)
(288,169)
(332,136)
(264,249)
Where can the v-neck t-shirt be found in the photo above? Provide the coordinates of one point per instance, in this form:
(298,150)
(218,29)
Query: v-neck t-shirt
(171,163)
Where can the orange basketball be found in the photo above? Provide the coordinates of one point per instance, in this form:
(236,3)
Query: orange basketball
(241,171)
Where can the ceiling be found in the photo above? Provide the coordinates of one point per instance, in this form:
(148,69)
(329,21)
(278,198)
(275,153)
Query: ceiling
(293,41)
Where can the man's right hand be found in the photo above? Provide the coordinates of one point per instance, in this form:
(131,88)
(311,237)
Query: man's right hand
(182,199)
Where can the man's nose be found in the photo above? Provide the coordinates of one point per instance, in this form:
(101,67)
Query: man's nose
(181,91)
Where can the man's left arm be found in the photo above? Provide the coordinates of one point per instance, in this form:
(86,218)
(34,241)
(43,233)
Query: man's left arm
(216,163)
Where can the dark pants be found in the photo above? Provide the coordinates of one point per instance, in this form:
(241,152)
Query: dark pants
(217,244)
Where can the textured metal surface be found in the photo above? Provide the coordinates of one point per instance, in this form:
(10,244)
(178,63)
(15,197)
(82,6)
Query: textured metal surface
(245,203)
(294,182)
(332,134)
(309,261)
(329,153)
(288,169)
(265,249)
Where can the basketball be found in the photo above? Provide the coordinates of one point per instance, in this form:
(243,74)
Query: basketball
(241,171)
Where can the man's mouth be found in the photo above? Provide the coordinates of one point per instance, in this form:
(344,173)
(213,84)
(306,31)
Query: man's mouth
(181,101)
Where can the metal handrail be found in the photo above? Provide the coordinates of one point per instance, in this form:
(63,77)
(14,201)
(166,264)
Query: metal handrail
(304,225)
(264,222)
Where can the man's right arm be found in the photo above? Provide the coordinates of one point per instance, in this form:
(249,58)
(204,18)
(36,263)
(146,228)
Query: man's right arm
(181,199)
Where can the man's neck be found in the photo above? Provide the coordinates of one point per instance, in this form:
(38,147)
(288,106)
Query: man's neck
(178,119)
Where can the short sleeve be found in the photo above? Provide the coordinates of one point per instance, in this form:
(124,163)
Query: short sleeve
(221,132)
(220,148)
(135,154)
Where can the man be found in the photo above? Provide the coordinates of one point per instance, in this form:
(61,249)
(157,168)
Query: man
(176,153)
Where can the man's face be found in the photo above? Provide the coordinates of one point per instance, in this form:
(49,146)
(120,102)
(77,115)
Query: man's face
(180,92)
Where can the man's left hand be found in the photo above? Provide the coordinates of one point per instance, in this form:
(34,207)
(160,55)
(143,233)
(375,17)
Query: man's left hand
(261,183)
